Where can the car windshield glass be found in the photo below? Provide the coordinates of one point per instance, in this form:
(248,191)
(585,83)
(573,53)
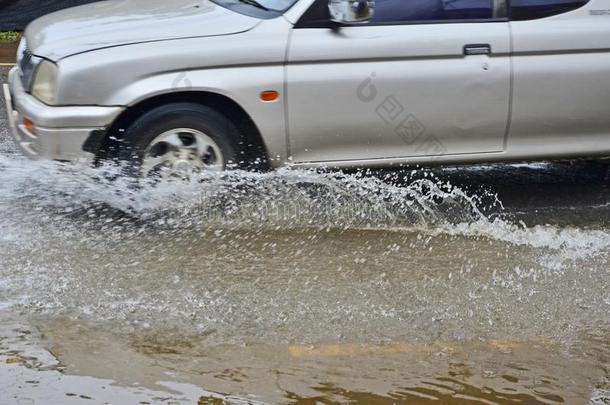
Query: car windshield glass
(277,5)
(257,8)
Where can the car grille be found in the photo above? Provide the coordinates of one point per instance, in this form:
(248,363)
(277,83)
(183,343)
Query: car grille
(27,65)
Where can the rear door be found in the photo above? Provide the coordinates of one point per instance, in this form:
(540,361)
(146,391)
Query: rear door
(424,78)
(561,77)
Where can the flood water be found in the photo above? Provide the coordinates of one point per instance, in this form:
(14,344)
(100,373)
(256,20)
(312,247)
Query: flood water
(485,284)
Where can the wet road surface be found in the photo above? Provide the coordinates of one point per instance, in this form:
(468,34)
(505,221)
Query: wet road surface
(482,284)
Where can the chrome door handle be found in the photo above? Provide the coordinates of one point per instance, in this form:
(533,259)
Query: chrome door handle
(477,49)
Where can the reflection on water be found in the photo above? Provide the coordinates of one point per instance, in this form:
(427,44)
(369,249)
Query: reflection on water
(454,286)
(500,372)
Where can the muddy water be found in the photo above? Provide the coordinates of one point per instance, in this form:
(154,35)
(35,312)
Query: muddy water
(485,284)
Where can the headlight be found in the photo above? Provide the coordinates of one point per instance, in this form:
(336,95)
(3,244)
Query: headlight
(45,82)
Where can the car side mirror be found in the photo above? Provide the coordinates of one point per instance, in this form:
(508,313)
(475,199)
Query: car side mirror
(351,11)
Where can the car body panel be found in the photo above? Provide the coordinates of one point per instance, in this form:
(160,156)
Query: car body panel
(561,69)
(429,98)
(112,23)
(239,67)
(58,133)
(58,117)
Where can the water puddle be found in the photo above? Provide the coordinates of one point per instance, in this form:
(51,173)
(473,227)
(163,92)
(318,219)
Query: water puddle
(304,287)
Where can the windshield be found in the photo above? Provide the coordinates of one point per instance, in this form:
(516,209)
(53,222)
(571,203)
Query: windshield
(277,5)
(257,8)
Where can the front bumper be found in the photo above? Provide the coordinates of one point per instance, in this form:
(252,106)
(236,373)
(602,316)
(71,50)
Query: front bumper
(59,133)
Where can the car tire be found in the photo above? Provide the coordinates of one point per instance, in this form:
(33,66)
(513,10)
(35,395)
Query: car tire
(159,133)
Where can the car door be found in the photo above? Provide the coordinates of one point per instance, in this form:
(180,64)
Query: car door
(561,78)
(423,78)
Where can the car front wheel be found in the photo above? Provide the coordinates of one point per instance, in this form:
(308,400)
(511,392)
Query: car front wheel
(178,140)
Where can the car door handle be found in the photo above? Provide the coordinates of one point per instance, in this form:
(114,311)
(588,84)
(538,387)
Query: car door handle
(477,49)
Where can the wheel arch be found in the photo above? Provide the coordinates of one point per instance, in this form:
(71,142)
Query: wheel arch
(253,150)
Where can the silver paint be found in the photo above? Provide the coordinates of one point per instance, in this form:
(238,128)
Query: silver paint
(542,93)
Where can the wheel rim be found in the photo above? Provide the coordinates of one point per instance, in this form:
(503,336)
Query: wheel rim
(182,152)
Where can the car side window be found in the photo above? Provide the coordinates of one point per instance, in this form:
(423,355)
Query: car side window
(533,9)
(396,11)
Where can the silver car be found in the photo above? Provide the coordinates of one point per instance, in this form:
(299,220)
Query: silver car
(192,85)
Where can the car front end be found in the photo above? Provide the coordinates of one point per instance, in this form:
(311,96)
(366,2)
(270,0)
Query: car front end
(42,128)
(58,108)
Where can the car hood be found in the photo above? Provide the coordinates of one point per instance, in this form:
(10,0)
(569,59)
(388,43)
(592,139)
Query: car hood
(119,22)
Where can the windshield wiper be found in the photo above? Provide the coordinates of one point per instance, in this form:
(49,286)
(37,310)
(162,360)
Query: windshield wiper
(255,3)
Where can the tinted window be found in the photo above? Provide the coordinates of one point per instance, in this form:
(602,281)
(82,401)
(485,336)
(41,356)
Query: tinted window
(432,10)
(533,9)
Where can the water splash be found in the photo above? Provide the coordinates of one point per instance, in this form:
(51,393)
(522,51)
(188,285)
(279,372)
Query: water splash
(243,254)
(285,199)
(289,198)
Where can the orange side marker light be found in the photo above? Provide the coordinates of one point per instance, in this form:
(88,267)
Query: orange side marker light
(29,125)
(270,95)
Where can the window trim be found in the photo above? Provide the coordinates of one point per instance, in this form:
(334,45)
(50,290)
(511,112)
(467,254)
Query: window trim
(334,25)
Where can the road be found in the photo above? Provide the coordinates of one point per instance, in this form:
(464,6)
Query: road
(455,285)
